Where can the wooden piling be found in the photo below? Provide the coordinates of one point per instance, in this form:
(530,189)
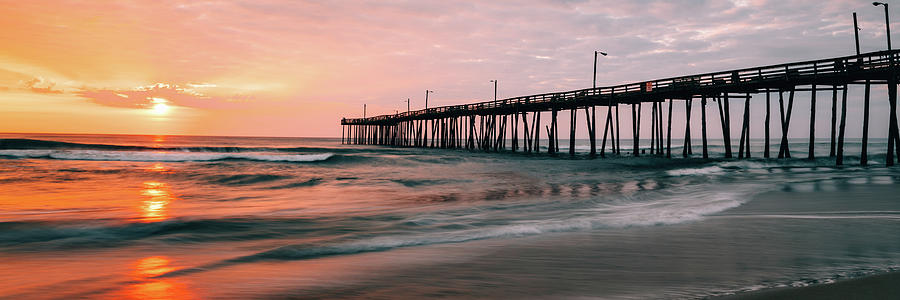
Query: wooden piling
(593,130)
(636,126)
(537,132)
(840,147)
(833,119)
(572,132)
(864,156)
(892,121)
(618,133)
(768,112)
(727,127)
(703,125)
(812,124)
(784,151)
(745,131)
(669,132)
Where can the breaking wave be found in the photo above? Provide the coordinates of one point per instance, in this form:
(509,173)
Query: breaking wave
(160,156)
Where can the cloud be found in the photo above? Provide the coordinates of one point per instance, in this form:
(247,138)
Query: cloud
(189,95)
(265,53)
(41,86)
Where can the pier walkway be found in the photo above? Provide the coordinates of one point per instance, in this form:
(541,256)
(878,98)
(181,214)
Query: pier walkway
(490,125)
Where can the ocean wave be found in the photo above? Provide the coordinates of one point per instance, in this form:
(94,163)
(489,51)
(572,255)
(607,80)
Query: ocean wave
(32,144)
(160,156)
(26,235)
(671,210)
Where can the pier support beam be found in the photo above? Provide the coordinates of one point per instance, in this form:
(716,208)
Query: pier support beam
(636,127)
(572,131)
(864,156)
(745,131)
(669,132)
(703,125)
(812,124)
(686,151)
(784,151)
(726,127)
(840,148)
(607,130)
(834,92)
(768,112)
(892,125)
(592,129)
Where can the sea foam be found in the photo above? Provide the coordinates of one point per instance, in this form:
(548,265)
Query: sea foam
(162,156)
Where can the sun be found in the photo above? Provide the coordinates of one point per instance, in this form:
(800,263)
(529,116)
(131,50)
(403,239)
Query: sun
(159,106)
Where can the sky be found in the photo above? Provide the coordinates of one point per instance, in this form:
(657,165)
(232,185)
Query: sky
(295,68)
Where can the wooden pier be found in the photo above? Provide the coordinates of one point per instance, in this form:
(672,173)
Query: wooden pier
(488,126)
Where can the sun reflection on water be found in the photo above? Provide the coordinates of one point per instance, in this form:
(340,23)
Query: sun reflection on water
(156,206)
(149,287)
(159,168)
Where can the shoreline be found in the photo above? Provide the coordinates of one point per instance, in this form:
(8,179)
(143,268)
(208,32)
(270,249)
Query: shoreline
(877,286)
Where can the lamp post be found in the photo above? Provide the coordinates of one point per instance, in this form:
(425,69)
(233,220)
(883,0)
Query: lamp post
(425,122)
(493,133)
(887,21)
(495,89)
(892,94)
(595,66)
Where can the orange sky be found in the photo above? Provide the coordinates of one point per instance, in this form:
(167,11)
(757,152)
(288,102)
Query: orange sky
(294,68)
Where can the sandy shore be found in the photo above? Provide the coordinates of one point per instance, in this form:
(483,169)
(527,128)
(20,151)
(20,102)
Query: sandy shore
(882,286)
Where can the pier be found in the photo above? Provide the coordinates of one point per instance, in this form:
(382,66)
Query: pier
(488,126)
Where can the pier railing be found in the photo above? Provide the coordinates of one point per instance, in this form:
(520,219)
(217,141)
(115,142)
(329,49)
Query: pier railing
(840,70)
(485,125)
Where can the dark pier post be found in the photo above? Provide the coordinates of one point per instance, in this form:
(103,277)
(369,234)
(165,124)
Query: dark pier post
(606,130)
(669,132)
(556,131)
(864,156)
(659,129)
(636,126)
(703,125)
(840,149)
(785,151)
(342,133)
(515,131)
(892,131)
(745,130)
(618,144)
(537,132)
(553,133)
(726,128)
(593,130)
(834,92)
(614,136)
(687,128)
(768,112)
(574,111)
(812,124)
(653,128)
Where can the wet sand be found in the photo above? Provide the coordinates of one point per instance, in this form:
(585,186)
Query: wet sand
(881,286)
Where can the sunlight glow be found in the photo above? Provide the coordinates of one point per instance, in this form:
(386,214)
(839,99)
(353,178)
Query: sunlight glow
(155,207)
(148,287)
(159,106)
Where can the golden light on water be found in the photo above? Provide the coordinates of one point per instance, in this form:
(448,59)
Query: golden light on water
(156,206)
(149,287)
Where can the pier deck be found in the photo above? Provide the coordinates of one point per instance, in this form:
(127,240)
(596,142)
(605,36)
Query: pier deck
(454,126)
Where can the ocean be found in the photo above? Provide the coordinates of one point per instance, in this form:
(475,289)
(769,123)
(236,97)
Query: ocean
(186,217)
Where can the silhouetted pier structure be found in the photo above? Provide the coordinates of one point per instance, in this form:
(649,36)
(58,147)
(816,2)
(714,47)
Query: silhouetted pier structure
(489,125)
